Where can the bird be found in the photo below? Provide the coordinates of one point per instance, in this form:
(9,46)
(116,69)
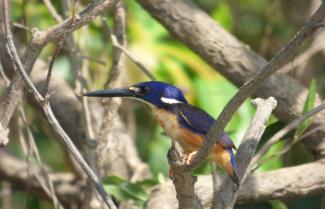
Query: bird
(181,121)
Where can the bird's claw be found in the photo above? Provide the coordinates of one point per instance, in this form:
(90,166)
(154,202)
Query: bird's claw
(190,158)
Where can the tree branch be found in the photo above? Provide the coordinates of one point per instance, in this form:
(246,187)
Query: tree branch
(233,59)
(69,112)
(227,195)
(276,137)
(48,111)
(183,180)
(38,41)
(279,60)
(278,184)
(117,45)
(16,171)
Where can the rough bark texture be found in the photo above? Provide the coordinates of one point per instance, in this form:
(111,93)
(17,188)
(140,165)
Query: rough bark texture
(257,187)
(227,195)
(287,182)
(234,59)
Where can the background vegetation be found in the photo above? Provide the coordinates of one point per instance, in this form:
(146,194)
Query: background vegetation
(265,25)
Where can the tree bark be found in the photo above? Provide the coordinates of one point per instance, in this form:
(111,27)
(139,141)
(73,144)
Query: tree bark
(235,60)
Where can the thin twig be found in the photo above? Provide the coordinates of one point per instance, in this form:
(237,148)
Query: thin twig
(39,39)
(55,126)
(55,55)
(118,37)
(79,87)
(116,44)
(86,57)
(292,125)
(53,11)
(214,176)
(114,78)
(48,184)
(300,61)
(227,195)
(279,60)
(49,72)
(21,26)
(4,77)
(286,148)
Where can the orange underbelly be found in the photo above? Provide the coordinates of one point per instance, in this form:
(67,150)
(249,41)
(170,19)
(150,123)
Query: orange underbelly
(221,156)
(188,140)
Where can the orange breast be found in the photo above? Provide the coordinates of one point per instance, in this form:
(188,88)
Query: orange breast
(188,140)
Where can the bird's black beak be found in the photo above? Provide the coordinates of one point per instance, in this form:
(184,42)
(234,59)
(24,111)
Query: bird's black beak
(118,92)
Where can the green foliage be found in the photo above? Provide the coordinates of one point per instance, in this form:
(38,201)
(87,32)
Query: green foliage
(309,105)
(170,61)
(277,204)
(222,14)
(125,190)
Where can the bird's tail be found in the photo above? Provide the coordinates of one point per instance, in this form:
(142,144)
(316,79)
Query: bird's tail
(226,159)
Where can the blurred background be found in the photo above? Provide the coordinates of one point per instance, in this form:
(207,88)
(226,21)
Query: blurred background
(264,25)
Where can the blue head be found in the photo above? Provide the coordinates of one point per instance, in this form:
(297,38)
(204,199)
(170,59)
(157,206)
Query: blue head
(155,93)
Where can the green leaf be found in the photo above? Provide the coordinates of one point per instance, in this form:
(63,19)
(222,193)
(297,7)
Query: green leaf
(277,204)
(116,192)
(148,182)
(113,180)
(309,105)
(135,191)
(122,190)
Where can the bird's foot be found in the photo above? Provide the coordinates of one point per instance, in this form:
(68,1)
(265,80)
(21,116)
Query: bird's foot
(190,157)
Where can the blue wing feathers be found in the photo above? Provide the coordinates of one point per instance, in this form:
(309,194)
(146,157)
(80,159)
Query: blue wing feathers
(199,121)
(232,157)
(195,118)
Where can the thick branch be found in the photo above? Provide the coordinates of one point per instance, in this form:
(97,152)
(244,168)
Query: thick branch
(277,184)
(19,174)
(226,197)
(183,180)
(278,61)
(233,59)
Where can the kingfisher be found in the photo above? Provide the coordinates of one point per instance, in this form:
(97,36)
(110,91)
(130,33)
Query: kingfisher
(182,122)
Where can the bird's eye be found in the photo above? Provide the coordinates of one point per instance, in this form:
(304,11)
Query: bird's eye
(140,91)
(143,91)
(146,90)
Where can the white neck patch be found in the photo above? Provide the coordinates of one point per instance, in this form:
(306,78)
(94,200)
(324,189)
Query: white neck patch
(169,101)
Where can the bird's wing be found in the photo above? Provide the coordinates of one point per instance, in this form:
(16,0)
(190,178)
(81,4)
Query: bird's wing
(195,118)
(200,121)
